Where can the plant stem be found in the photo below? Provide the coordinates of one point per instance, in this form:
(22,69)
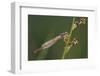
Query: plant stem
(67,48)
(72,27)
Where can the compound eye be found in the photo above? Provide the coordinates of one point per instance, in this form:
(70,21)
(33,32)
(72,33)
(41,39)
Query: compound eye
(65,34)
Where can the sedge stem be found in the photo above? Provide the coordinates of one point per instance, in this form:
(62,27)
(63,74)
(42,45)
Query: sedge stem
(67,47)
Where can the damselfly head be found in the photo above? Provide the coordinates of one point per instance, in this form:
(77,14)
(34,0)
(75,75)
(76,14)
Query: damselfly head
(63,34)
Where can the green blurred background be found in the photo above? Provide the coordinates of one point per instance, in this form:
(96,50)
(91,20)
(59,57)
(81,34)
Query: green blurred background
(43,28)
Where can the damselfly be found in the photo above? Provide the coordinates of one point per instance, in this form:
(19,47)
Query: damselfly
(52,41)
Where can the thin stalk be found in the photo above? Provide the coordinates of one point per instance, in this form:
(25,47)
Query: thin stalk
(72,27)
(67,48)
